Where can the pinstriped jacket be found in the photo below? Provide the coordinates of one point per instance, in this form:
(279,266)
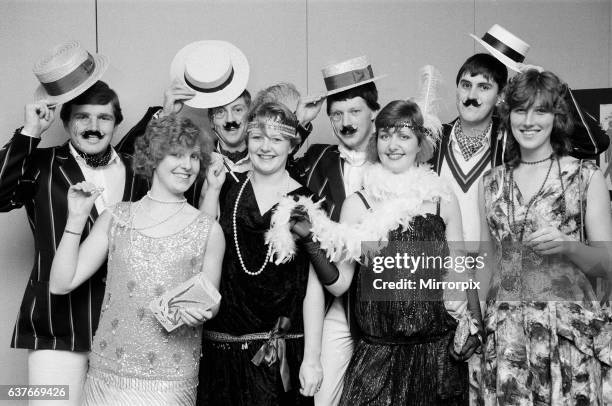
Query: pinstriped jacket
(38,179)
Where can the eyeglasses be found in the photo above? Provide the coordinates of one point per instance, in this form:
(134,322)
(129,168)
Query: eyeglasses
(336,116)
(219,113)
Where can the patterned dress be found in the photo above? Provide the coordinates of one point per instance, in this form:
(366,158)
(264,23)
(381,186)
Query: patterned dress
(548,340)
(402,357)
(133,360)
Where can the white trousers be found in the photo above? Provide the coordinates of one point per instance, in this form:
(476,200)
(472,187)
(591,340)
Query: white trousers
(336,352)
(52,367)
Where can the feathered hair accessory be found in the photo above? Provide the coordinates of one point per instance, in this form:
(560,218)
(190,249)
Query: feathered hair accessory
(428,101)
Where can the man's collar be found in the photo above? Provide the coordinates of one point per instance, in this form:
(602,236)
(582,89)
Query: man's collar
(352,157)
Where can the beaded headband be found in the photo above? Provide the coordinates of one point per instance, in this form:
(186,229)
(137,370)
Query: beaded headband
(284,129)
(429,135)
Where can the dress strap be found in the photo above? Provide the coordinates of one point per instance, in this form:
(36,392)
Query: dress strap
(363,199)
(438,207)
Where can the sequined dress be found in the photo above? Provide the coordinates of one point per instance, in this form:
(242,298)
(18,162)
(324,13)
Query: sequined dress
(402,355)
(133,360)
(548,340)
(253,304)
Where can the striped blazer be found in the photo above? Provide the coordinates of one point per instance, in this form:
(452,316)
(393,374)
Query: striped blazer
(38,179)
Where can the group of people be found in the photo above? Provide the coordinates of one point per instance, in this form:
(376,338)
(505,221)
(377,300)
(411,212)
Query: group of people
(285,239)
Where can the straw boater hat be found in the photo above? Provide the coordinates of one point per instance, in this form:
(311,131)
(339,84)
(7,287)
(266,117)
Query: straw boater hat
(67,71)
(505,46)
(217,70)
(348,74)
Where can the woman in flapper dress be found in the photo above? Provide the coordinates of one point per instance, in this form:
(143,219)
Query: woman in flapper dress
(263,348)
(404,353)
(152,245)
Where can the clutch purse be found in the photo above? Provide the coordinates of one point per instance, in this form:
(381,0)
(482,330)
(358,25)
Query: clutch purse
(195,292)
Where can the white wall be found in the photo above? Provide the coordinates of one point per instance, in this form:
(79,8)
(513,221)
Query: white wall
(286,40)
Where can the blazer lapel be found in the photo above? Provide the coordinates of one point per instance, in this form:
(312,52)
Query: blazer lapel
(332,169)
(72,174)
(130,179)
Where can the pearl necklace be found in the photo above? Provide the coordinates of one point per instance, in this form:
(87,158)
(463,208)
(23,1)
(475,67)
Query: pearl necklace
(235,230)
(139,206)
(150,196)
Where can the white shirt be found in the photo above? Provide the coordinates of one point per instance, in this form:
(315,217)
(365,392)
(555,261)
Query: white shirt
(111,177)
(355,165)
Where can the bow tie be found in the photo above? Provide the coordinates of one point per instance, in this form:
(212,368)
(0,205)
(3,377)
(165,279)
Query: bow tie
(96,160)
(354,158)
(234,156)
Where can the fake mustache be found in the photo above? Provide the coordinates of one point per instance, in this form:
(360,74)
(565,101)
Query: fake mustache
(472,102)
(347,130)
(231,125)
(90,134)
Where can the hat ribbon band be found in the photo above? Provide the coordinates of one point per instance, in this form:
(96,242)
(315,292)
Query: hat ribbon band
(503,48)
(349,78)
(71,80)
(211,89)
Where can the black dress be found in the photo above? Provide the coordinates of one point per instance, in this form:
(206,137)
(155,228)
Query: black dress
(252,304)
(402,356)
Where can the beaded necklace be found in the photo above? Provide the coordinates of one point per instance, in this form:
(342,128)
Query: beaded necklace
(510,201)
(155,199)
(235,229)
(537,162)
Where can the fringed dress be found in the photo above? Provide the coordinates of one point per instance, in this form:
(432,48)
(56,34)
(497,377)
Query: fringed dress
(402,356)
(133,360)
(548,340)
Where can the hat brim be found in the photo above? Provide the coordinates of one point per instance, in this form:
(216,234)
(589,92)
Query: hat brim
(342,89)
(224,96)
(515,66)
(101,64)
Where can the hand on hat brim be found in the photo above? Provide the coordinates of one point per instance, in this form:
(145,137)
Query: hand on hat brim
(175,96)
(313,99)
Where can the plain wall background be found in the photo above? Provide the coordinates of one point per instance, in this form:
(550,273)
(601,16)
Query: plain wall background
(288,40)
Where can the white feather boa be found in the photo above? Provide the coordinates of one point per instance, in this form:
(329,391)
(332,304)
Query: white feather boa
(396,200)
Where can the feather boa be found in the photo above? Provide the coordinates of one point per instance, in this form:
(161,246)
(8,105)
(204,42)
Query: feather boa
(397,199)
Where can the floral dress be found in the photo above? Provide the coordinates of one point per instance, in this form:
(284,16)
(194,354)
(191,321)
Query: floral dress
(548,340)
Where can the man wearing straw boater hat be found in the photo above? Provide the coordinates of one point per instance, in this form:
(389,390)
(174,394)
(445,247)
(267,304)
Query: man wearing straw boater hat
(213,75)
(58,329)
(334,172)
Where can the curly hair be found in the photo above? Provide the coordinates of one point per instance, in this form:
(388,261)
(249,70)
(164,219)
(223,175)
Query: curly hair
(283,92)
(394,113)
(546,89)
(277,112)
(167,135)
